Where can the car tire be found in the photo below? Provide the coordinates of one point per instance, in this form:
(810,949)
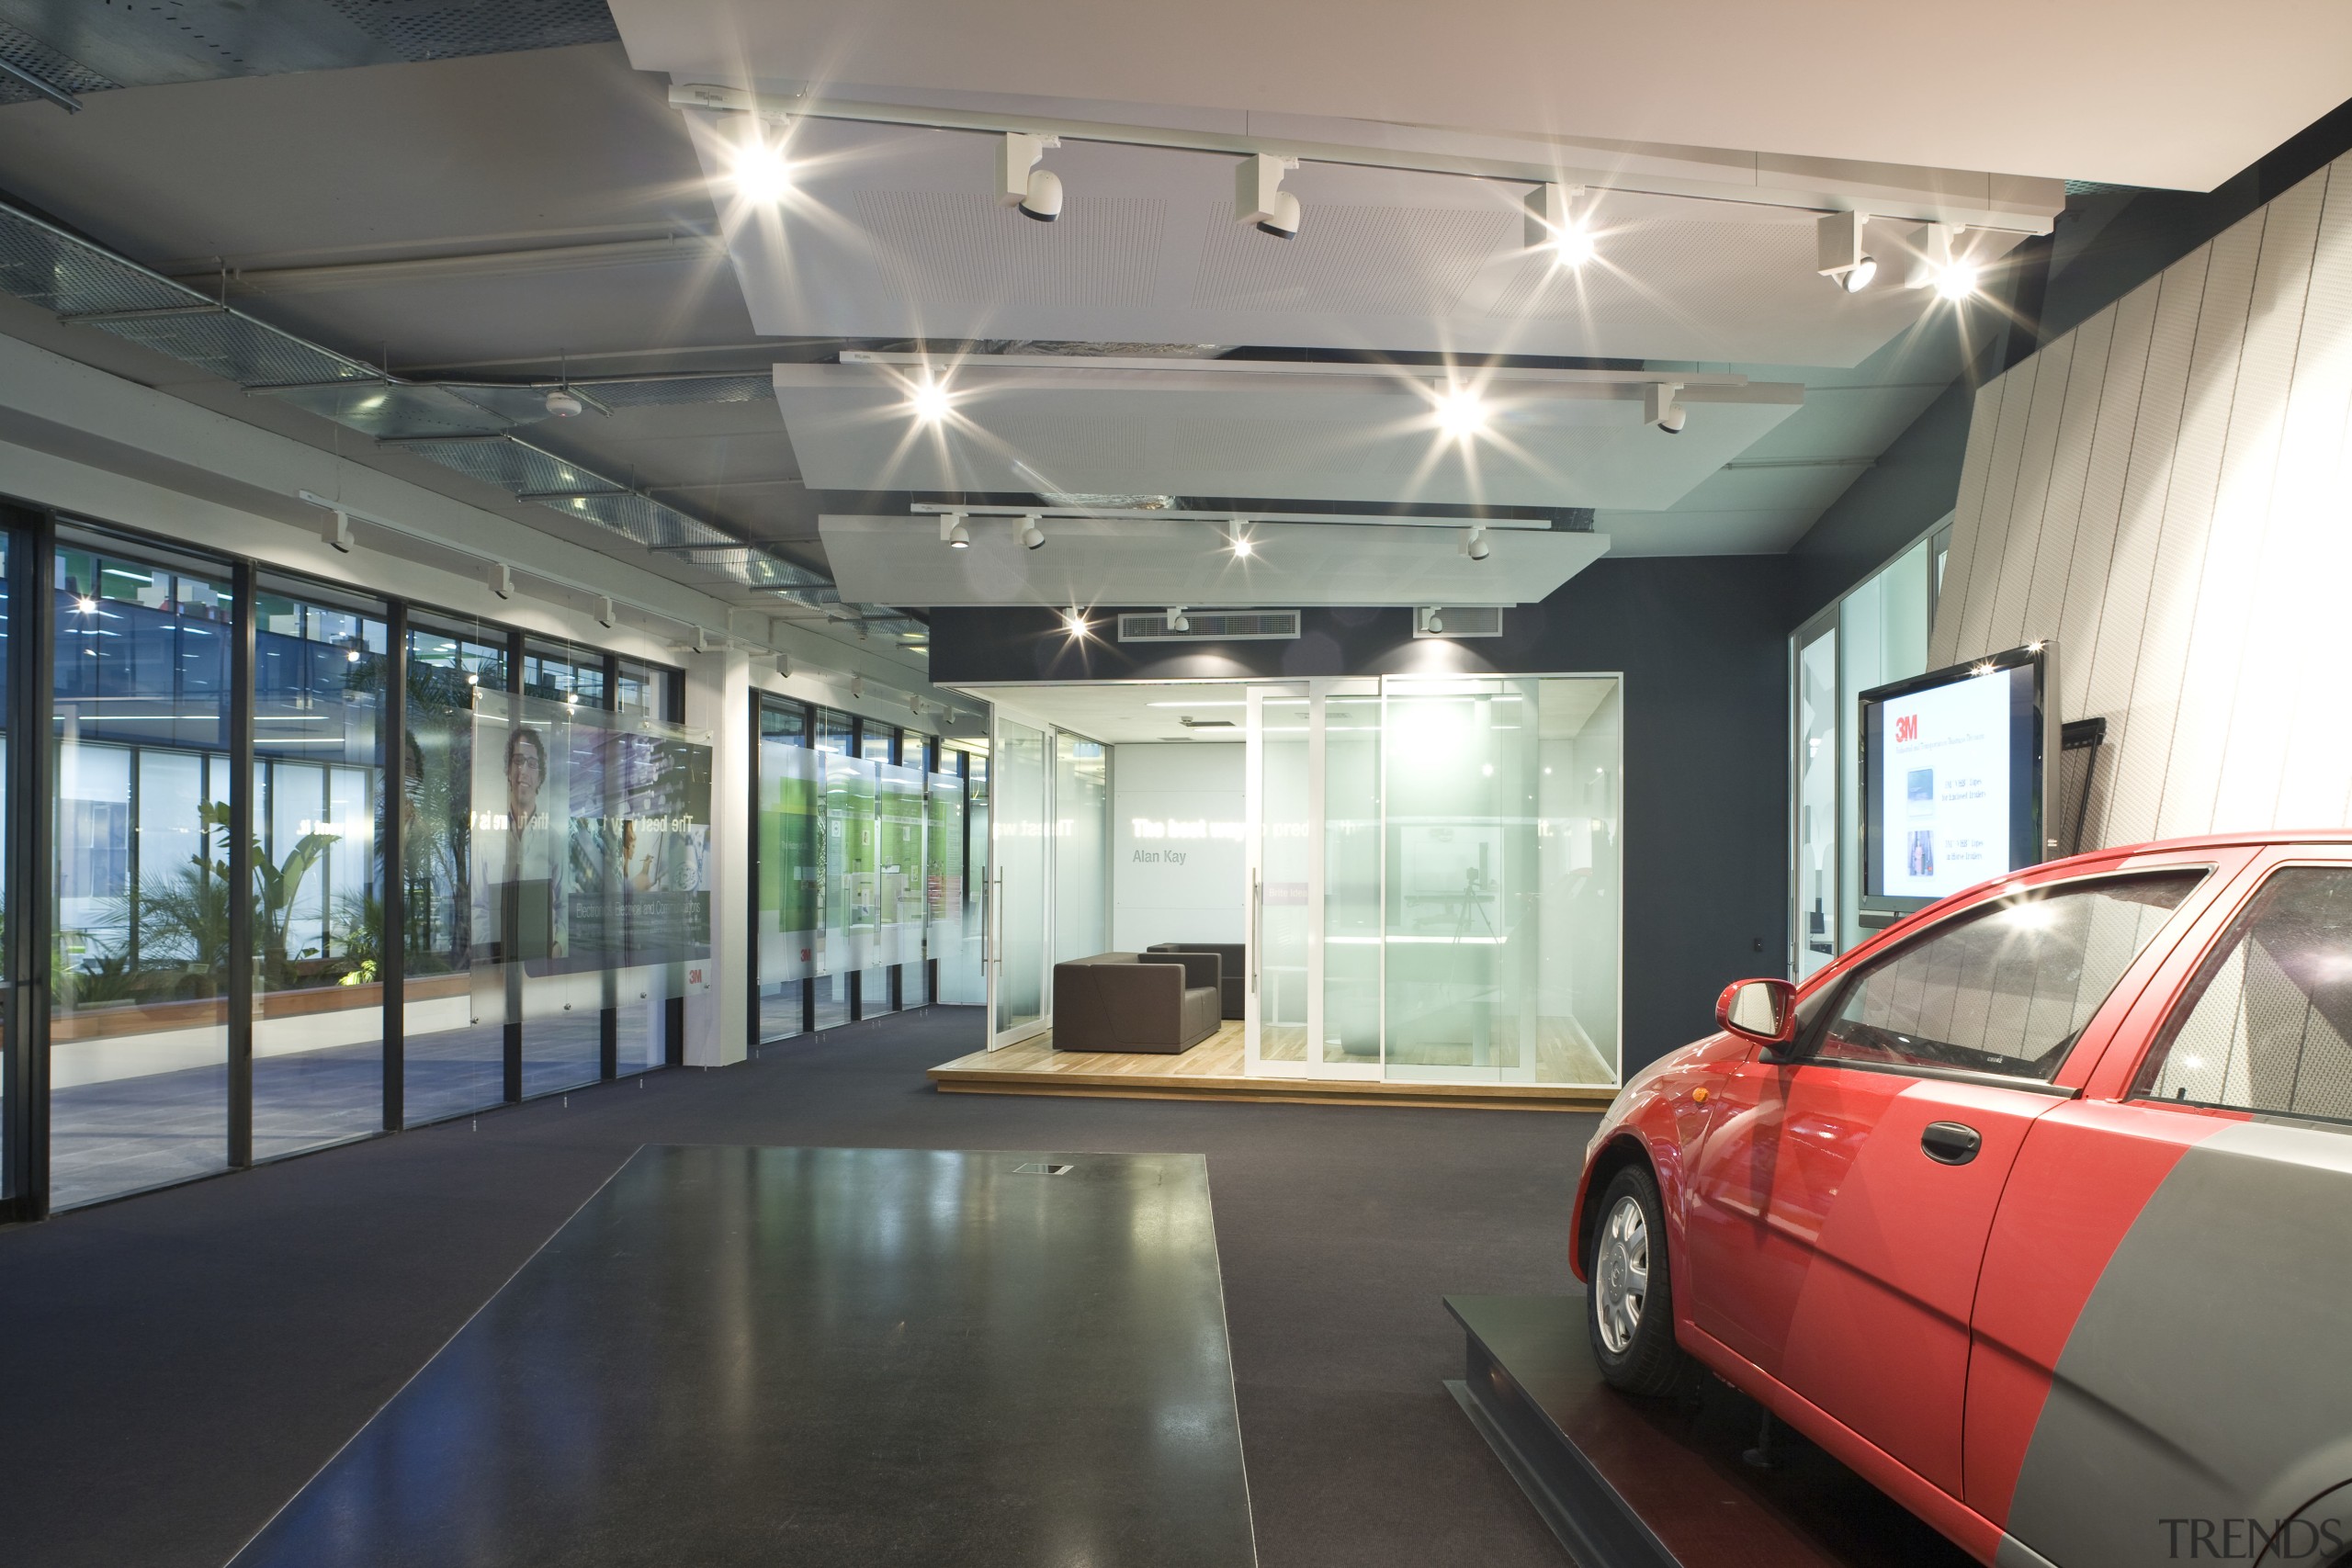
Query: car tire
(1628,1290)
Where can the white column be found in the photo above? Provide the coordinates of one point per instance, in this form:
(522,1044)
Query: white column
(718,699)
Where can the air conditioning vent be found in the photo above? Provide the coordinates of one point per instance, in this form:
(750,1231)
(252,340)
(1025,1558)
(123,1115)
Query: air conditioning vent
(1211,626)
(1459,620)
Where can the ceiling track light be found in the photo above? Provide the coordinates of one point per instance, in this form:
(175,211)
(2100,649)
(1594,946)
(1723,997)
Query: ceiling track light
(502,580)
(1074,621)
(951,531)
(1937,263)
(1020,184)
(1032,536)
(1474,545)
(606,615)
(760,170)
(1258,196)
(1429,619)
(339,532)
(783,666)
(1237,539)
(1177,620)
(1663,408)
(1837,250)
(857,686)
(1552,224)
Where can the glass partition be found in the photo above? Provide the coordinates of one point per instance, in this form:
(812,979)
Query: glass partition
(944,890)
(453,1008)
(644,869)
(899,879)
(1081,847)
(1351,879)
(319,675)
(1501,908)
(1281,876)
(138,1042)
(1018,829)
(962,949)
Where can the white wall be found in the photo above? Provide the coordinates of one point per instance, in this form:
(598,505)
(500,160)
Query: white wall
(1188,881)
(2165,491)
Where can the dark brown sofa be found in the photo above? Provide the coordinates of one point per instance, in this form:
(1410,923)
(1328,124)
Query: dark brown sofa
(1165,1003)
(1230,979)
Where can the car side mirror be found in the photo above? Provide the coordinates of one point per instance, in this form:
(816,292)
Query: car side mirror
(1762,1011)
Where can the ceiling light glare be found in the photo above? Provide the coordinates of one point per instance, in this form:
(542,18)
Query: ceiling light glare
(1552,224)
(1241,545)
(1460,414)
(762,173)
(1956,280)
(930,400)
(1032,536)
(1073,622)
(86,604)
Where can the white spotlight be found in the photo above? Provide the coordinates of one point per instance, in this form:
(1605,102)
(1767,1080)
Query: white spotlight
(951,531)
(606,615)
(760,171)
(858,685)
(930,400)
(784,665)
(1475,546)
(502,581)
(1032,536)
(1935,264)
(563,403)
(1460,412)
(1239,541)
(1662,408)
(1258,196)
(1020,183)
(1837,250)
(1177,620)
(1957,281)
(1431,622)
(339,533)
(1073,621)
(1552,224)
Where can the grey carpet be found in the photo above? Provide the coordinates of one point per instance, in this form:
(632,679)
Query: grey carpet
(174,1367)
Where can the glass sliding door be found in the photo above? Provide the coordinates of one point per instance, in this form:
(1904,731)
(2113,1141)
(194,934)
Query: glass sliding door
(319,674)
(1281,995)
(1348,731)
(453,999)
(138,1039)
(1018,914)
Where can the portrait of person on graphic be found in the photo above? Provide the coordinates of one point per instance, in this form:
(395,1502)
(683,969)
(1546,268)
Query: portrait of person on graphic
(516,860)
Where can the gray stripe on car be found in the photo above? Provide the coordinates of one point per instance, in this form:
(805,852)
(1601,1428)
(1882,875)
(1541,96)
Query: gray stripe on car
(2209,1379)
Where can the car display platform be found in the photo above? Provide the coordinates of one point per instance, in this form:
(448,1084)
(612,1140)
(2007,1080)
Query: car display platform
(891,1358)
(1639,1484)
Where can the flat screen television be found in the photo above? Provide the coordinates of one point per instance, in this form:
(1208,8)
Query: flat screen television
(1956,772)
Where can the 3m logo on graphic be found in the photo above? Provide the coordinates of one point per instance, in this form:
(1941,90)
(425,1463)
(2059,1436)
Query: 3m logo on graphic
(1906,726)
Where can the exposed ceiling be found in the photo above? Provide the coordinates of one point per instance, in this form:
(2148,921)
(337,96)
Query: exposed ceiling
(2082,91)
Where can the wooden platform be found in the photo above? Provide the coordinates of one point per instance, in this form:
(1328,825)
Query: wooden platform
(1212,1070)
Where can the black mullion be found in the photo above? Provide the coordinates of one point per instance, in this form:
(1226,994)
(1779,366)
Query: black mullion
(512,963)
(32,702)
(391,941)
(240,959)
(751,902)
(608,1018)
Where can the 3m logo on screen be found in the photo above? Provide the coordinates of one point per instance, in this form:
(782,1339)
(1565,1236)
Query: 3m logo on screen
(1906,726)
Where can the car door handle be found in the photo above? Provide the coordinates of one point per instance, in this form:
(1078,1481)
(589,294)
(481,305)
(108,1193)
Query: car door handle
(1950,1143)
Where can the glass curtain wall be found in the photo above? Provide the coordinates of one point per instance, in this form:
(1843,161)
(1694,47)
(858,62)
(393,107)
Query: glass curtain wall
(791,871)
(945,859)
(663,788)
(453,999)
(1018,804)
(962,949)
(141,901)
(899,879)
(320,669)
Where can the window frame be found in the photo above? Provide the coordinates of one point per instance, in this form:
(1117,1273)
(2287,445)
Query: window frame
(1804,1050)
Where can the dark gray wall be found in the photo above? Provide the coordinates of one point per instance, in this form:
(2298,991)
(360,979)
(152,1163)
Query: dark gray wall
(1702,645)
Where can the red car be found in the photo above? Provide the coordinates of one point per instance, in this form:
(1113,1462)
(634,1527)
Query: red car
(2035,1209)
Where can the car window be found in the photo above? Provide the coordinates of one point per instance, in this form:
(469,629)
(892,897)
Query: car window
(2264,1026)
(2007,987)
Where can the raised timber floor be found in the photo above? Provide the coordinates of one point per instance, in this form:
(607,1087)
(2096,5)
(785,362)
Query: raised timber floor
(1212,1070)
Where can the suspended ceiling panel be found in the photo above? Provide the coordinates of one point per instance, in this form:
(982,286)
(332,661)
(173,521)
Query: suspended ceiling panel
(1273,431)
(893,232)
(899,561)
(1922,85)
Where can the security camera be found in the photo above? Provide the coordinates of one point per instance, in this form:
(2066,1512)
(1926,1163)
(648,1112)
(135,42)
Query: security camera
(1044,201)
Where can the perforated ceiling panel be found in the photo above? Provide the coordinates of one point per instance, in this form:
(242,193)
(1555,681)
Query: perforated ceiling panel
(1303,437)
(894,234)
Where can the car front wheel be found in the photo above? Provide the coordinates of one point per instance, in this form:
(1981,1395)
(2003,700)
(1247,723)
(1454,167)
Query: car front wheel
(1629,1293)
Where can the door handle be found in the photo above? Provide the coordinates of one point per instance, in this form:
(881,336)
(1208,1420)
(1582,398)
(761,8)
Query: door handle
(1950,1143)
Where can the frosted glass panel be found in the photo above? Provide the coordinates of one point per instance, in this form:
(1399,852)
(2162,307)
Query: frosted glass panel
(1285,915)
(1081,842)
(1019,788)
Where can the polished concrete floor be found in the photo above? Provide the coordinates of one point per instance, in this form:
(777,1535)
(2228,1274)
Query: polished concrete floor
(175,1367)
